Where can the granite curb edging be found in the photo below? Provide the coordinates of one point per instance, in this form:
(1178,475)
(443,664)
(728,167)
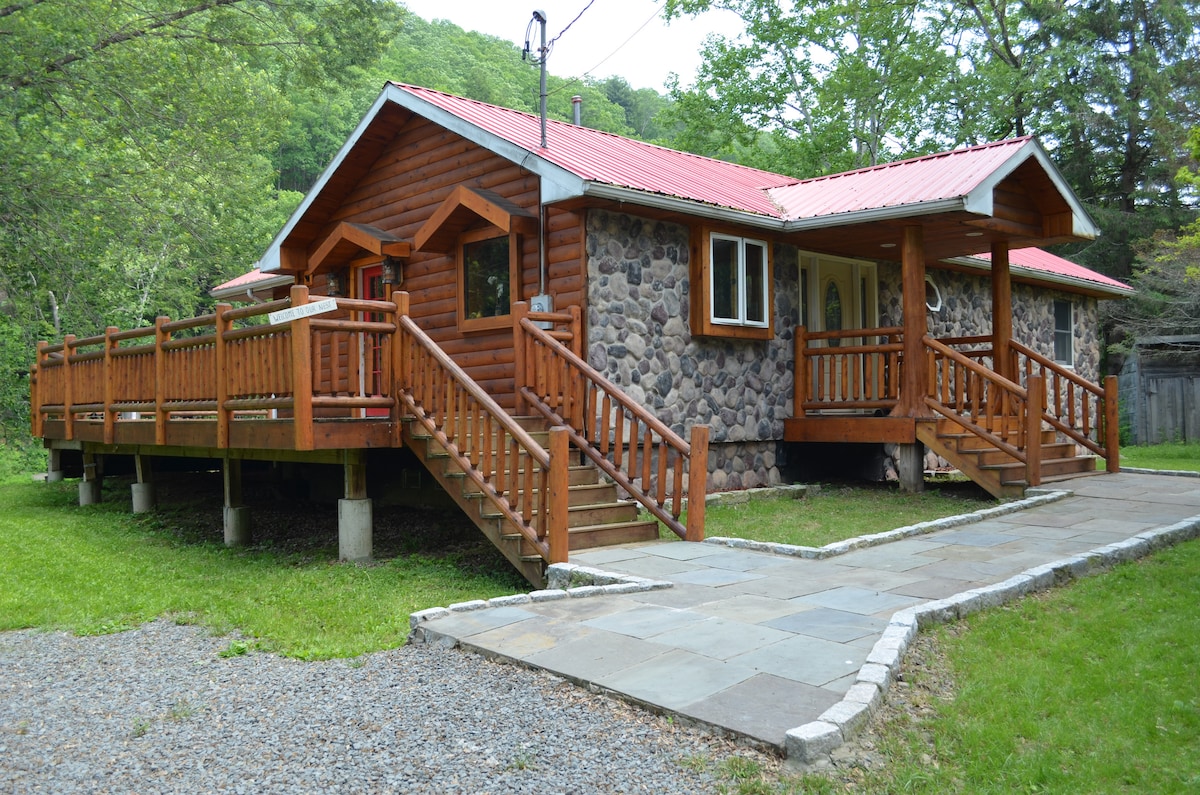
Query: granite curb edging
(813,742)
(875,539)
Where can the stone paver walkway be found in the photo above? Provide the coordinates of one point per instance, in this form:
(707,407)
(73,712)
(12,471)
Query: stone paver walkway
(756,643)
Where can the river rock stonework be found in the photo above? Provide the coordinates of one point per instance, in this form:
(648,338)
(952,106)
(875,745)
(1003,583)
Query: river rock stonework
(967,309)
(640,338)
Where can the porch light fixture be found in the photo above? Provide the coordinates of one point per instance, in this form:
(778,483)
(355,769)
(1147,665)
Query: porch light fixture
(887,245)
(974,234)
(390,271)
(335,284)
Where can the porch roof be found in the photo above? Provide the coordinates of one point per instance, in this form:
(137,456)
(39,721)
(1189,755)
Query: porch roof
(1042,266)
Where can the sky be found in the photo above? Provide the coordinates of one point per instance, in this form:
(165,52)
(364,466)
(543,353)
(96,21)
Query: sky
(613,37)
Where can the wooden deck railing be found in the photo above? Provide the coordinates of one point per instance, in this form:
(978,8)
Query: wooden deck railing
(525,482)
(981,402)
(222,366)
(1080,410)
(626,441)
(835,375)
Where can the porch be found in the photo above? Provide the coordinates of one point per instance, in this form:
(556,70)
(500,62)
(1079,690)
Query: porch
(329,381)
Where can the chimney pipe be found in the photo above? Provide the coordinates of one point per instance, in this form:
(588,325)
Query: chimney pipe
(577,104)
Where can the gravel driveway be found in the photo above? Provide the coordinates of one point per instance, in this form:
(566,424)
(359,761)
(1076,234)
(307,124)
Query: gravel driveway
(157,710)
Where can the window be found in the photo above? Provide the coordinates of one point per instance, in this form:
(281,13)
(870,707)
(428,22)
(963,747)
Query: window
(485,274)
(1064,333)
(735,276)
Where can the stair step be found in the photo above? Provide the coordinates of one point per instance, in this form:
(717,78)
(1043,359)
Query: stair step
(1012,473)
(577,475)
(583,515)
(600,535)
(578,496)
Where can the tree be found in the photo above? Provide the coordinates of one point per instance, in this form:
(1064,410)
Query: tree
(837,84)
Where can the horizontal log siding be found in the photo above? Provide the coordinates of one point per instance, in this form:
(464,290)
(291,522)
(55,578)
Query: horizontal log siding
(402,189)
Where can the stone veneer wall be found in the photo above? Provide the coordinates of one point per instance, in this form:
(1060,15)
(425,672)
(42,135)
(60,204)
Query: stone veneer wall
(639,337)
(967,306)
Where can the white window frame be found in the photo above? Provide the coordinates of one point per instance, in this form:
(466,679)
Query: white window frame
(742,281)
(1069,331)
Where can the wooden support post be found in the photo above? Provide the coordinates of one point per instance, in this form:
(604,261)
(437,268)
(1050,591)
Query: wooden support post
(36,373)
(68,388)
(914,375)
(800,372)
(1112,427)
(355,515)
(90,485)
(142,491)
(697,483)
(221,326)
(302,415)
(237,515)
(576,313)
(160,381)
(520,310)
(1036,396)
(559,486)
(1001,311)
(110,416)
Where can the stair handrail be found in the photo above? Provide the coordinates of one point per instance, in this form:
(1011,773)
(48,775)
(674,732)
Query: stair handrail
(456,411)
(1063,419)
(572,394)
(1020,404)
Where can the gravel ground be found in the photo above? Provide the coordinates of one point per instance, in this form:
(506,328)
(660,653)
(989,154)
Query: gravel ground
(157,710)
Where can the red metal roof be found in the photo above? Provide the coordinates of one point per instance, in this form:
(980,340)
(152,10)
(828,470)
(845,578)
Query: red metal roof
(932,178)
(246,279)
(612,159)
(1043,261)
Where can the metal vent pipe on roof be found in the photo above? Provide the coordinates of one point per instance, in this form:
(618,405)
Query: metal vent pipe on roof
(577,105)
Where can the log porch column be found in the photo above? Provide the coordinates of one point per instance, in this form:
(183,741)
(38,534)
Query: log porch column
(914,368)
(355,513)
(1001,310)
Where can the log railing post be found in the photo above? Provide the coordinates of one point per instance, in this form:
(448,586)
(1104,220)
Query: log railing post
(560,461)
(1035,391)
(401,368)
(107,373)
(697,483)
(800,372)
(1112,427)
(36,374)
(302,415)
(221,325)
(68,388)
(520,310)
(160,381)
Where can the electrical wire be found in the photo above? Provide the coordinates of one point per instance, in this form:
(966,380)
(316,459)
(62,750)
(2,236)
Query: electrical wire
(574,80)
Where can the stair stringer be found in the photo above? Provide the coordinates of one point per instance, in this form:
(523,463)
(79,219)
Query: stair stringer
(967,463)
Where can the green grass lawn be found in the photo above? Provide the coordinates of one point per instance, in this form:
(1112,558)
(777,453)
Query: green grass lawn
(100,569)
(837,512)
(1175,455)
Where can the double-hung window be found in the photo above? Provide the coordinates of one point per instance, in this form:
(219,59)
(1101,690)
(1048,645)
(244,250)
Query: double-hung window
(1064,333)
(731,286)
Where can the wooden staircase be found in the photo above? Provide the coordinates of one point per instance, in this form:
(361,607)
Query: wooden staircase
(597,516)
(997,471)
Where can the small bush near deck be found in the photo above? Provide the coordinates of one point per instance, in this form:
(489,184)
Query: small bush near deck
(838,512)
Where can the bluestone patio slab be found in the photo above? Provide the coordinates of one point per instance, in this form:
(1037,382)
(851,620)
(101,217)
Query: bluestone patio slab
(760,706)
(721,638)
(858,600)
(676,678)
(466,624)
(528,638)
(645,621)
(805,659)
(653,566)
(975,538)
(596,654)
(714,577)
(751,608)
(828,624)
(598,557)
(683,550)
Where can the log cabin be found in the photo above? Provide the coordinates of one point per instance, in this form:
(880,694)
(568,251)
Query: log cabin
(576,335)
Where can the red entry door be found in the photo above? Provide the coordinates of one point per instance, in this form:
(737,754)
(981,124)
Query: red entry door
(373,288)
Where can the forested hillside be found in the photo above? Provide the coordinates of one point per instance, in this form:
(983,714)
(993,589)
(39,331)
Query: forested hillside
(150,149)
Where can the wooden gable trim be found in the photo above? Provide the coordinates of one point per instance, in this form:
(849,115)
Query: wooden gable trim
(464,208)
(369,238)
